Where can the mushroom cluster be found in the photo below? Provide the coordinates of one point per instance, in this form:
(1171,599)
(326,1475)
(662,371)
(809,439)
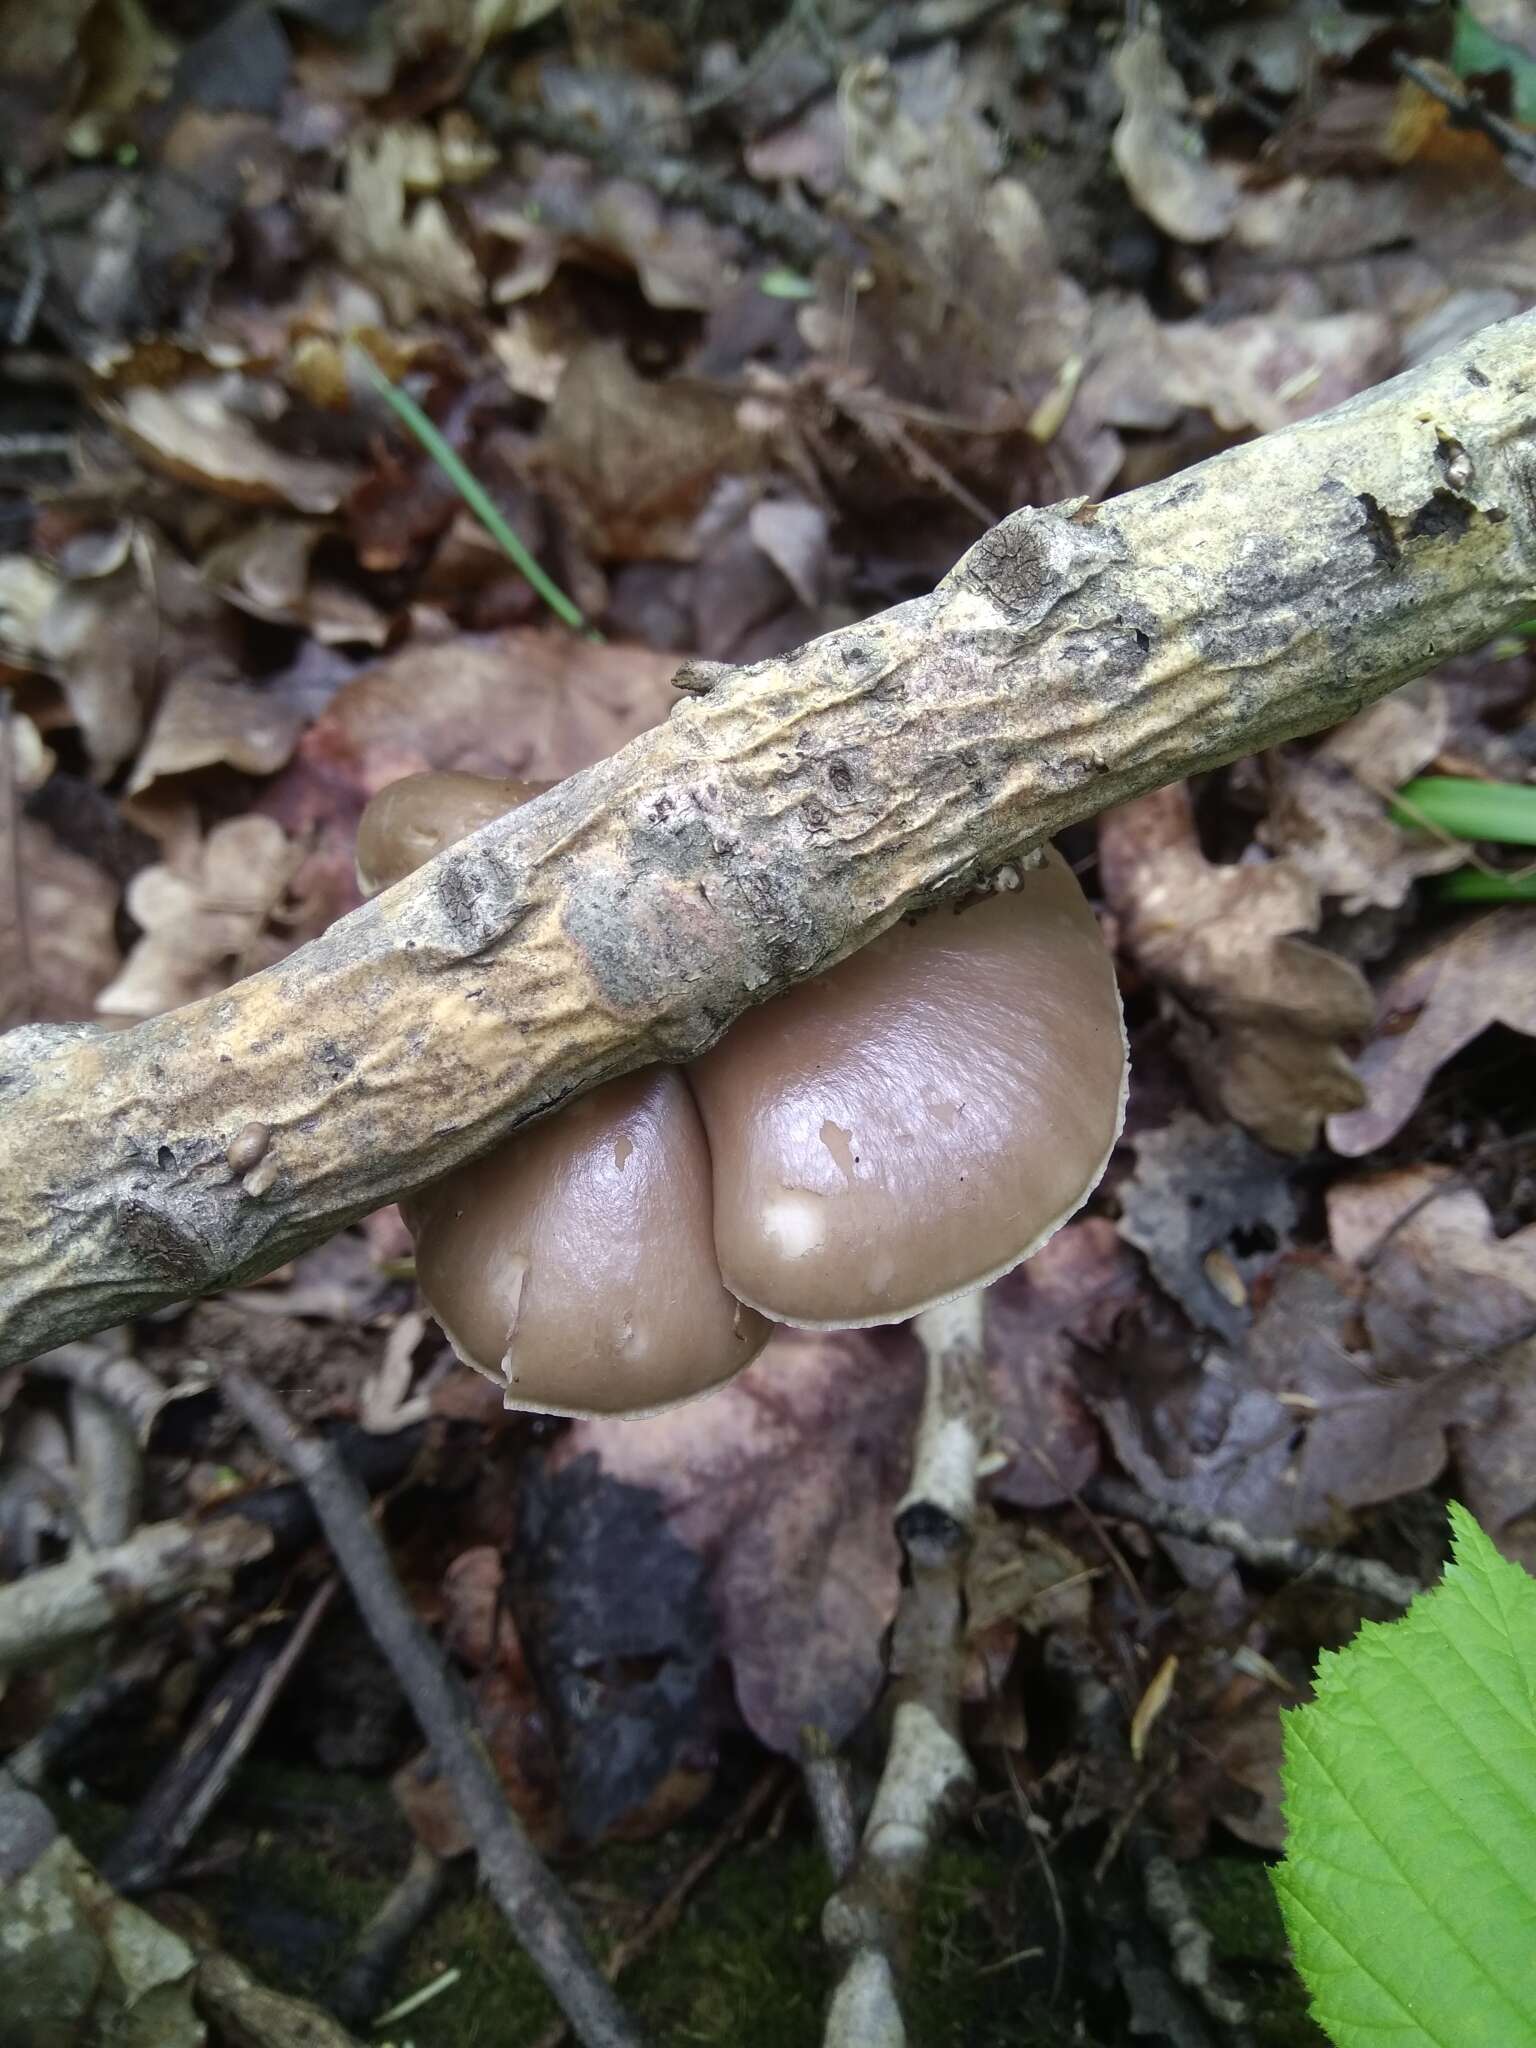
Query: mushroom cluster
(881,1138)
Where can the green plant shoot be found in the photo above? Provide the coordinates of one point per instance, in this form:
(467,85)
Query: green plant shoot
(473,492)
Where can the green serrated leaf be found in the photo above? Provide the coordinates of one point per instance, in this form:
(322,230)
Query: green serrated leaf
(1409,1881)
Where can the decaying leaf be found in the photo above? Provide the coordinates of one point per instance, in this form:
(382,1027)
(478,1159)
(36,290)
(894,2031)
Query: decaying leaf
(57,949)
(633,463)
(1444,1292)
(1329,810)
(408,251)
(1203,1436)
(94,637)
(203,432)
(1038,1318)
(204,921)
(509,1718)
(1295,1429)
(614,1615)
(786,1482)
(1261,1013)
(1211,1210)
(267,571)
(206,719)
(571,214)
(80,1963)
(1160,152)
(1481,973)
(525,702)
(913,136)
(1370,1427)
(1255,373)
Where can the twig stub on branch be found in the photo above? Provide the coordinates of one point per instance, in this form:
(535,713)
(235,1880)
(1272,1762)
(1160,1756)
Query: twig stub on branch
(1076,657)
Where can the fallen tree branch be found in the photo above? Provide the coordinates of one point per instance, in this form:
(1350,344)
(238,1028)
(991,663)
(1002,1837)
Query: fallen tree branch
(197,1774)
(359,1990)
(528,1896)
(783,816)
(44,1612)
(870,1920)
(1284,1554)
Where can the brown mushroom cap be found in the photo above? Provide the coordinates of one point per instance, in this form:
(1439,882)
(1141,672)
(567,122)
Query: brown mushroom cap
(576,1263)
(918,1120)
(410,821)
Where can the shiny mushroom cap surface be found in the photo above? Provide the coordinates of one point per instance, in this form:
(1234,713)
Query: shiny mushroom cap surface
(881,1138)
(921,1118)
(573,1264)
(411,821)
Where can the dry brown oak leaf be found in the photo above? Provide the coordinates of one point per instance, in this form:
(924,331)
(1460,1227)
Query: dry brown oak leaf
(1262,1014)
(1482,973)
(787,1481)
(1445,1294)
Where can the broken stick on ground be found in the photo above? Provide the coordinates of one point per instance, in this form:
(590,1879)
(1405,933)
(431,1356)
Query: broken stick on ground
(534,1906)
(785,814)
(870,1920)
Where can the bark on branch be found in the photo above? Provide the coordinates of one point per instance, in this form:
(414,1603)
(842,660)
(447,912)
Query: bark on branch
(783,815)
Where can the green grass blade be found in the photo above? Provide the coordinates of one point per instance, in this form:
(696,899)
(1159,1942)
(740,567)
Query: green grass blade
(474,494)
(1467,809)
(1468,885)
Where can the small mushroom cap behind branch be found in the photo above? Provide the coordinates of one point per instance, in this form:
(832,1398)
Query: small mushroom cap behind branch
(574,1264)
(923,1117)
(414,819)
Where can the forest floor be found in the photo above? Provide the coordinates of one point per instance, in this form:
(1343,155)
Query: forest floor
(748,319)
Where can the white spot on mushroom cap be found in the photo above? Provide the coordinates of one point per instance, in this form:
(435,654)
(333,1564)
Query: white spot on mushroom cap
(840,1144)
(516,1287)
(793,1223)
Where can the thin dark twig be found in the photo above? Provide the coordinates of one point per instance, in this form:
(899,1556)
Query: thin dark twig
(30,298)
(359,1989)
(1264,1553)
(1467,109)
(36,1757)
(535,1907)
(198,1775)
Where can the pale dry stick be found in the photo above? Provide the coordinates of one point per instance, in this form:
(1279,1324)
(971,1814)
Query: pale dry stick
(827,1788)
(784,815)
(114,1377)
(108,1471)
(870,1920)
(96,1590)
(1285,1554)
(532,1902)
